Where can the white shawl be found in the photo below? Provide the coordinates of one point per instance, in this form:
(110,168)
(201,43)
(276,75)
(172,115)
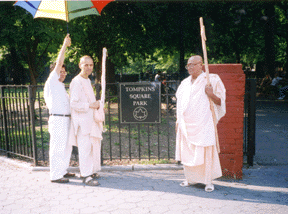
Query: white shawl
(197,127)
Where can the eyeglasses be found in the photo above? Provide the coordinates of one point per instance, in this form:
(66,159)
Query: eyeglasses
(192,65)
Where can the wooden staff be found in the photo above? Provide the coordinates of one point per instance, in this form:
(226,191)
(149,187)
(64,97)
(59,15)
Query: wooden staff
(203,37)
(103,76)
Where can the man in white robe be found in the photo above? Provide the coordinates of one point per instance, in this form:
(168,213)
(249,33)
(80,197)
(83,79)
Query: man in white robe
(85,133)
(195,132)
(57,101)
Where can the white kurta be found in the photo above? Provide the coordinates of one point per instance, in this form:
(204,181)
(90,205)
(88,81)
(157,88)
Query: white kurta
(57,101)
(84,130)
(195,138)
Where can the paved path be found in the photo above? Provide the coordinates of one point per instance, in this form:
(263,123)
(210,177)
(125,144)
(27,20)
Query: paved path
(271,133)
(264,189)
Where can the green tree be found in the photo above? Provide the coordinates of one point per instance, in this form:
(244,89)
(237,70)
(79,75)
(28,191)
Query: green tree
(28,40)
(150,35)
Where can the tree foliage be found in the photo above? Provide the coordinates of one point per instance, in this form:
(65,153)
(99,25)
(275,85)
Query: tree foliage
(144,36)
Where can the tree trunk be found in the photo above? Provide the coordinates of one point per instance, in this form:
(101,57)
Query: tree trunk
(182,70)
(269,40)
(32,71)
(16,73)
(98,68)
(110,76)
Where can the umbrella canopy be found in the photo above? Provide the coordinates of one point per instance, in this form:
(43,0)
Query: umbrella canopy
(63,9)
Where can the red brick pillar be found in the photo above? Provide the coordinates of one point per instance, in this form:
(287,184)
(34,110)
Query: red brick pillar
(230,127)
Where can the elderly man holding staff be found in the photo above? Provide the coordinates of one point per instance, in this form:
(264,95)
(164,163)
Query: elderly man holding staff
(195,131)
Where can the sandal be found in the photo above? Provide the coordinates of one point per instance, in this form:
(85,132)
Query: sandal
(209,188)
(69,175)
(90,181)
(185,184)
(95,175)
(61,180)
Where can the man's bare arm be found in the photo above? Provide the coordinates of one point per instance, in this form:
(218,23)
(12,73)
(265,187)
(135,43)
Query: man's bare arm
(61,55)
(211,95)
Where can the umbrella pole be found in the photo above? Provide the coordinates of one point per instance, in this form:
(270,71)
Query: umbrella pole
(203,37)
(67,17)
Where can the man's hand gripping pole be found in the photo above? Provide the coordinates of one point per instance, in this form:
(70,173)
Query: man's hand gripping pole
(203,38)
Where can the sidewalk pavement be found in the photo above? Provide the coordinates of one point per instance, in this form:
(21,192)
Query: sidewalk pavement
(141,189)
(271,133)
(151,189)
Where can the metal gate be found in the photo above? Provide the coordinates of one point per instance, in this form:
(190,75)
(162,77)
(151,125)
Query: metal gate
(249,120)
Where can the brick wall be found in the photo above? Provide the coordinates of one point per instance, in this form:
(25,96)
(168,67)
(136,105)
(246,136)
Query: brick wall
(230,127)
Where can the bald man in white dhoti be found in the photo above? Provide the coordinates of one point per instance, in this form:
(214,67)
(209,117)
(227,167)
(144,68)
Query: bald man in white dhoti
(195,132)
(57,101)
(86,133)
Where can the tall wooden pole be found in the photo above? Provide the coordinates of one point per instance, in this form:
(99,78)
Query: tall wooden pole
(203,37)
(103,77)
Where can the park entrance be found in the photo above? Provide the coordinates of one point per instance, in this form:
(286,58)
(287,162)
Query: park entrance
(24,123)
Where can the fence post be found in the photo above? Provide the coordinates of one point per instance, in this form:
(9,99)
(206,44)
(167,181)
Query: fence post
(32,119)
(5,121)
(251,120)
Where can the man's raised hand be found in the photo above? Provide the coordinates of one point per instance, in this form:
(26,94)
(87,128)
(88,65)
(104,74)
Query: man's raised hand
(67,40)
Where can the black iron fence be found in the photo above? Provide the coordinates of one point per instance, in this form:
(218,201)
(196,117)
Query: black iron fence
(18,124)
(24,126)
(140,141)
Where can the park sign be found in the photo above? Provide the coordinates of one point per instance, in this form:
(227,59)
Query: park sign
(140,102)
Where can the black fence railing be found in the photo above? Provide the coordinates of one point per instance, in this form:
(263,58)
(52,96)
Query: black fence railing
(24,126)
(18,122)
(140,141)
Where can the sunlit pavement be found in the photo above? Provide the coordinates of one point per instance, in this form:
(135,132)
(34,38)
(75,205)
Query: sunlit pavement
(263,189)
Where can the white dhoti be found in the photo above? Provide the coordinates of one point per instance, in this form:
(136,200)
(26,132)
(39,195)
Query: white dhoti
(201,163)
(89,149)
(208,170)
(59,148)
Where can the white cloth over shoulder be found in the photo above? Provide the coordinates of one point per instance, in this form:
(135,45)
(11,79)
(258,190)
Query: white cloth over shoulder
(194,116)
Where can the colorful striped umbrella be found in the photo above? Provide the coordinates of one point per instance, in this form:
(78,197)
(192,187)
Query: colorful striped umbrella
(63,9)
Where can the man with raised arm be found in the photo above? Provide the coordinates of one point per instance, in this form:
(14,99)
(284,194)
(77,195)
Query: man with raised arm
(195,132)
(57,101)
(86,132)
